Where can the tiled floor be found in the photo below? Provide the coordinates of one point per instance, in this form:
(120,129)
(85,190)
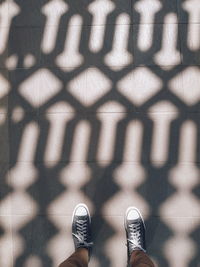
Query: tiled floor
(99,103)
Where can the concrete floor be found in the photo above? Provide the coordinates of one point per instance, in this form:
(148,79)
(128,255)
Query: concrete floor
(99,103)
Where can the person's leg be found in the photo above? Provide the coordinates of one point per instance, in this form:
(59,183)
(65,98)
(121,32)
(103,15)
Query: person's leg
(81,233)
(135,234)
(79,258)
(140,259)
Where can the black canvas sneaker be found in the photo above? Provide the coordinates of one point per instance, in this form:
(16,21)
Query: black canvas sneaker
(135,231)
(81,227)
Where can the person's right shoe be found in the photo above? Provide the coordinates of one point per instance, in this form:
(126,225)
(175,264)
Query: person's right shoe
(135,231)
(81,227)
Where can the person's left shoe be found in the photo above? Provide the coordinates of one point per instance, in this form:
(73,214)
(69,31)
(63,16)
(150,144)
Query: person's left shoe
(81,227)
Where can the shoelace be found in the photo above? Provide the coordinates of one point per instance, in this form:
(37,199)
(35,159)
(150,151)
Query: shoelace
(82,233)
(135,236)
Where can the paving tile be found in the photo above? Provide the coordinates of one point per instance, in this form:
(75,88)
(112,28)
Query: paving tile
(98,44)
(142,34)
(140,57)
(105,97)
(21,176)
(47,83)
(119,182)
(109,235)
(60,246)
(163,241)
(51,42)
(60,46)
(120,54)
(152,11)
(153,196)
(132,141)
(6,244)
(23,134)
(100,10)
(144,86)
(80,6)
(190,43)
(6,19)
(106,131)
(181,204)
(189,11)
(4,7)
(30,239)
(101,180)
(4,138)
(57,107)
(56,137)
(5,191)
(54,231)
(167,7)
(21,96)
(162,46)
(156,235)
(114,106)
(140,85)
(185,86)
(28,14)
(74,133)
(31,90)
(162,131)
(178,177)
(89,90)
(65,44)
(3,46)
(138,136)
(27,52)
(123,8)
(53,12)
(60,12)
(187,148)
(55,191)
(154,132)
(118,203)
(92,11)
(45,189)
(90,86)
(146,10)
(54,131)
(5,90)
(175,84)
(127,130)
(182,226)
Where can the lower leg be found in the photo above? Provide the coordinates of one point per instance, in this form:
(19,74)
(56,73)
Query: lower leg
(79,258)
(140,259)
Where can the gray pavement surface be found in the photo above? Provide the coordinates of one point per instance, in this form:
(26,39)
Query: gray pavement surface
(99,103)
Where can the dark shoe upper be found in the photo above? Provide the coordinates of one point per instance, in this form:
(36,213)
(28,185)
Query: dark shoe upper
(135,231)
(81,227)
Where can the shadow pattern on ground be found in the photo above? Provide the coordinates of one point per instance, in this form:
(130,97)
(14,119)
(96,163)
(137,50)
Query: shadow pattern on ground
(132,66)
